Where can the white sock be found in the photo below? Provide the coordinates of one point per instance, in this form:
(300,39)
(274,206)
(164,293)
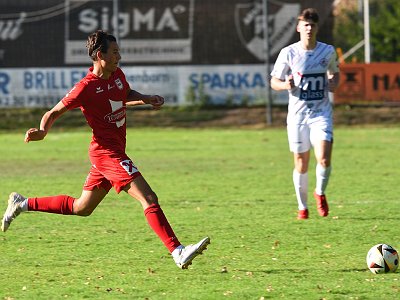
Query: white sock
(322,175)
(300,182)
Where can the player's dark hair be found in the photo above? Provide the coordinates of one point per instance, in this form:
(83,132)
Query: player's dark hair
(99,41)
(309,14)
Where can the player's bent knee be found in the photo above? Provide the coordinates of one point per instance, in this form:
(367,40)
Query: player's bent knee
(83,213)
(325,163)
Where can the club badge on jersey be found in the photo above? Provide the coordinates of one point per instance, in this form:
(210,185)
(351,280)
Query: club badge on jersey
(119,84)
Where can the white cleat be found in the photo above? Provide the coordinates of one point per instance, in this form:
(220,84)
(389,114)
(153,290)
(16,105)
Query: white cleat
(12,211)
(184,259)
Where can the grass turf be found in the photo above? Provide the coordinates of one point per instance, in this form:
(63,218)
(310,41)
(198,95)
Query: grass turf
(233,185)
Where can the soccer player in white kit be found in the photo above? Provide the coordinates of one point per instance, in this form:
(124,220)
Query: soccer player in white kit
(309,70)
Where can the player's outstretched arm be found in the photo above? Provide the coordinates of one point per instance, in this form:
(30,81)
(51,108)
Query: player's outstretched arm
(35,134)
(135,98)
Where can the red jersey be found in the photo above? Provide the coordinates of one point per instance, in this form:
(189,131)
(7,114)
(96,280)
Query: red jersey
(102,101)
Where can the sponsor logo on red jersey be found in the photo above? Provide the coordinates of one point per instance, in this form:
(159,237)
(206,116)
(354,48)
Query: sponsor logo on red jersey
(115,116)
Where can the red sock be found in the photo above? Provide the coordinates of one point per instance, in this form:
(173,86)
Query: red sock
(160,225)
(61,204)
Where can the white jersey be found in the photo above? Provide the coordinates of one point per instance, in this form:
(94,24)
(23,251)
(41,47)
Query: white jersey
(308,100)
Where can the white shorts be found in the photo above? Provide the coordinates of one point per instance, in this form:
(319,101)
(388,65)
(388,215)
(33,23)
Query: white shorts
(302,137)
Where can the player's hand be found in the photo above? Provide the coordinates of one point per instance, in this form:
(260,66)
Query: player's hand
(156,101)
(289,82)
(332,85)
(34,134)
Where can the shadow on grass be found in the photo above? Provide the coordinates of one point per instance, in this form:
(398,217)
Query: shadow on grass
(299,271)
(276,271)
(354,270)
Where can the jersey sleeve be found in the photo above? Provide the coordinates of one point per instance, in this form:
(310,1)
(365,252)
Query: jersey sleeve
(281,67)
(74,97)
(333,66)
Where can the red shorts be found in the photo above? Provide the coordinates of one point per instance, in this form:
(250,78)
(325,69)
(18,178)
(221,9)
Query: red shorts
(110,171)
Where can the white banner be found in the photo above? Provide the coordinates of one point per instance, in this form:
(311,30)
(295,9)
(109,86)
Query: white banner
(180,85)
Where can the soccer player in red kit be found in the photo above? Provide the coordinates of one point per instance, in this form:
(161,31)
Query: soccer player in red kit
(103,95)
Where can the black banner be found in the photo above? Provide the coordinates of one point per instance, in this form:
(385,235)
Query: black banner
(52,33)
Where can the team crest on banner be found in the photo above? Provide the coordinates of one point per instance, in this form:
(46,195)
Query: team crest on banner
(281,24)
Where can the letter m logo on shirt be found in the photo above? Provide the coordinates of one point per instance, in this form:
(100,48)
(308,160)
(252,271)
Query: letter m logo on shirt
(312,87)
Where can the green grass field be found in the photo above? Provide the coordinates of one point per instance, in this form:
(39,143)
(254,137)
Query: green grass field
(233,185)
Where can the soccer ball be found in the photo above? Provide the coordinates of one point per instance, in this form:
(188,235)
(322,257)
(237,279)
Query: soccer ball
(382,258)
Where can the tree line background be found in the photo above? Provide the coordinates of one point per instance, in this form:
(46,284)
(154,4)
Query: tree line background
(384,29)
